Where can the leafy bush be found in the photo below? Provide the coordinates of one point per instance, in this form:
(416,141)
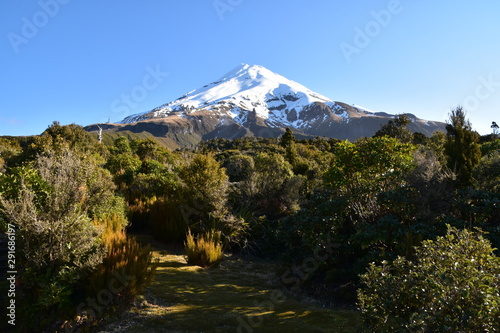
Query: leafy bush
(452,286)
(57,241)
(203,190)
(488,172)
(204,251)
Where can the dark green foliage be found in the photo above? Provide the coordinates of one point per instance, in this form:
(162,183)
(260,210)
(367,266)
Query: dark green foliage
(462,147)
(167,221)
(487,172)
(9,150)
(385,198)
(490,147)
(58,242)
(203,190)
(451,286)
(150,149)
(361,171)
(419,139)
(271,189)
(239,167)
(57,138)
(123,166)
(287,139)
(121,146)
(397,129)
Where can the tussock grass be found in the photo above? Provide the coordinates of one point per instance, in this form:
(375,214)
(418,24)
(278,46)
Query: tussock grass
(205,250)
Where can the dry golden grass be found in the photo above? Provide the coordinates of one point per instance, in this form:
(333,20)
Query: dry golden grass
(205,250)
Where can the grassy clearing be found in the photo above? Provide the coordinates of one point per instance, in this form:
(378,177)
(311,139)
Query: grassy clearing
(237,296)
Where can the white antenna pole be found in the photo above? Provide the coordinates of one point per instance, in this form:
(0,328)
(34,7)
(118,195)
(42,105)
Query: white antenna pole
(99,134)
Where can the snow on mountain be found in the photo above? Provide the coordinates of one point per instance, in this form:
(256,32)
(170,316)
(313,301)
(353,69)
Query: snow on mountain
(254,101)
(245,88)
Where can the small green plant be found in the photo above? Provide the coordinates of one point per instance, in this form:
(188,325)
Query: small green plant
(452,286)
(204,251)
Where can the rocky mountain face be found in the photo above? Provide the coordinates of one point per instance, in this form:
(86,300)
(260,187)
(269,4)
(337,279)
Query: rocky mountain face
(254,101)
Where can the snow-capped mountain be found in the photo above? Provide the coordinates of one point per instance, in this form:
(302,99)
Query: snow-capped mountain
(251,100)
(245,88)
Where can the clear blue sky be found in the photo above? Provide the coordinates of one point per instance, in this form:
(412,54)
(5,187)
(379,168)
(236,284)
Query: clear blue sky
(73,61)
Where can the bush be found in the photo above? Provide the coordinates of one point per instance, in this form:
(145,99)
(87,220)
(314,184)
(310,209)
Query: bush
(126,270)
(203,190)
(205,251)
(58,244)
(166,221)
(57,207)
(452,286)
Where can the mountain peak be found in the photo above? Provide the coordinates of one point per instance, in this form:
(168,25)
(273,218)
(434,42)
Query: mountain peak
(245,69)
(245,88)
(259,75)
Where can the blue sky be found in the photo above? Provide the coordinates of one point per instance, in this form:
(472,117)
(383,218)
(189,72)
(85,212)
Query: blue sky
(86,61)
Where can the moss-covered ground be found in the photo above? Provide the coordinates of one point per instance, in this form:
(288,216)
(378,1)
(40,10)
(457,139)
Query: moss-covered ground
(237,296)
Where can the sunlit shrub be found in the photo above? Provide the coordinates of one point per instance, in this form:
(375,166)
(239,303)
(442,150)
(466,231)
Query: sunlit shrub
(58,244)
(205,250)
(452,286)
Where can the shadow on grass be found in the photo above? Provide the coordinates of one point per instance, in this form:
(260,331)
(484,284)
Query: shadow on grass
(235,297)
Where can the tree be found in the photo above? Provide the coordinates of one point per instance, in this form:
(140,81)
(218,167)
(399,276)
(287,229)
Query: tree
(9,149)
(271,189)
(362,170)
(287,139)
(451,286)
(203,189)
(494,127)
(121,146)
(397,128)
(123,166)
(58,138)
(462,147)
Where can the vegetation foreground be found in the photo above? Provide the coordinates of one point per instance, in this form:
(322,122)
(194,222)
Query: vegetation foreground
(402,227)
(237,296)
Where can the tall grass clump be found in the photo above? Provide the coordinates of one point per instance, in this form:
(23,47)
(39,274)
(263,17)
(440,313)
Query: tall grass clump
(204,250)
(126,270)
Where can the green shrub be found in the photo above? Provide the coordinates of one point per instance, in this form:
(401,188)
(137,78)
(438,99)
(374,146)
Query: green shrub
(452,286)
(203,190)
(204,251)
(57,242)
